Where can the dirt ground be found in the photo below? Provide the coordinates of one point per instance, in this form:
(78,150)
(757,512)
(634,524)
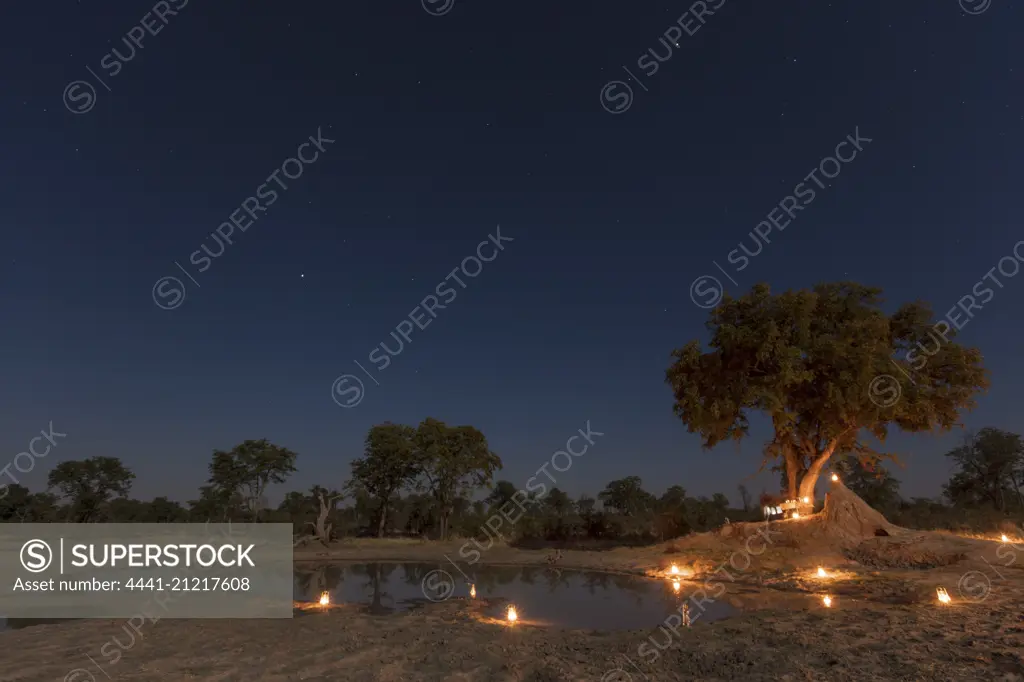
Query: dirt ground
(885,622)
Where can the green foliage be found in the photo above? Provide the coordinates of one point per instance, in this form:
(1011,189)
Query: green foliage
(389,463)
(89,485)
(247,469)
(806,359)
(990,470)
(627,497)
(872,482)
(453,460)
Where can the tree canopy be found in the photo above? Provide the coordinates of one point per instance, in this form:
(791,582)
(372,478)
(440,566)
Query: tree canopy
(89,485)
(247,470)
(389,463)
(453,459)
(811,361)
(990,467)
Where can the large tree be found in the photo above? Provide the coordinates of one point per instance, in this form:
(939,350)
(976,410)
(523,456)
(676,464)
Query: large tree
(248,468)
(989,464)
(89,485)
(820,365)
(453,461)
(389,463)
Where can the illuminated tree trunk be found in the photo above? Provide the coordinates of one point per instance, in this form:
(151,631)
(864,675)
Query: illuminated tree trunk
(810,478)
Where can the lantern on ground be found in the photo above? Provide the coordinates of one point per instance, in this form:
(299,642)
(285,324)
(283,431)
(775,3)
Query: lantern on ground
(511,616)
(943,595)
(325,599)
(827,601)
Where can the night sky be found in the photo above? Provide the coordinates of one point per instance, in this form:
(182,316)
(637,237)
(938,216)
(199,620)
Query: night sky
(442,128)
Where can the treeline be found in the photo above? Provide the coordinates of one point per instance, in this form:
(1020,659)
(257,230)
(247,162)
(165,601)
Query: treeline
(437,481)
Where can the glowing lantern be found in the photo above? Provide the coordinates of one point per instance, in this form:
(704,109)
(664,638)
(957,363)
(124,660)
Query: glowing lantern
(943,595)
(827,601)
(512,616)
(1004,538)
(472,591)
(674,570)
(834,478)
(325,599)
(675,585)
(796,515)
(822,573)
(807,500)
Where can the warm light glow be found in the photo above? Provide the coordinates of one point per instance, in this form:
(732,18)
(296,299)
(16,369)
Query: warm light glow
(834,477)
(943,595)
(472,591)
(325,599)
(512,615)
(674,570)
(807,500)
(827,601)
(822,573)
(675,585)
(796,515)
(1004,538)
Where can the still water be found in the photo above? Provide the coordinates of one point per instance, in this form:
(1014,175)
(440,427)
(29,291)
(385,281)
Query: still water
(557,597)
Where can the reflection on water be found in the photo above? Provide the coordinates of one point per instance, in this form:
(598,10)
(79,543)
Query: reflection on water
(560,597)
(563,598)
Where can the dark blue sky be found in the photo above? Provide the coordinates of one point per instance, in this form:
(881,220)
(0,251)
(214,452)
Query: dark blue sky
(445,127)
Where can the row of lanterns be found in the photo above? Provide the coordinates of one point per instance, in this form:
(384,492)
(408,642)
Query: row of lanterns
(510,614)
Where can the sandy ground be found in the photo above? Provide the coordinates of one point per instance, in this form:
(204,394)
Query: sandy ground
(885,624)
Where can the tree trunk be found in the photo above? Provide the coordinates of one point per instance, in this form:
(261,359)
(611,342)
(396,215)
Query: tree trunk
(383,518)
(792,472)
(444,525)
(810,478)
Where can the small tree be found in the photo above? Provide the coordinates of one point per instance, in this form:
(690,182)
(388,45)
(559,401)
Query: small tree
(453,461)
(988,463)
(89,485)
(389,463)
(627,496)
(820,365)
(249,468)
